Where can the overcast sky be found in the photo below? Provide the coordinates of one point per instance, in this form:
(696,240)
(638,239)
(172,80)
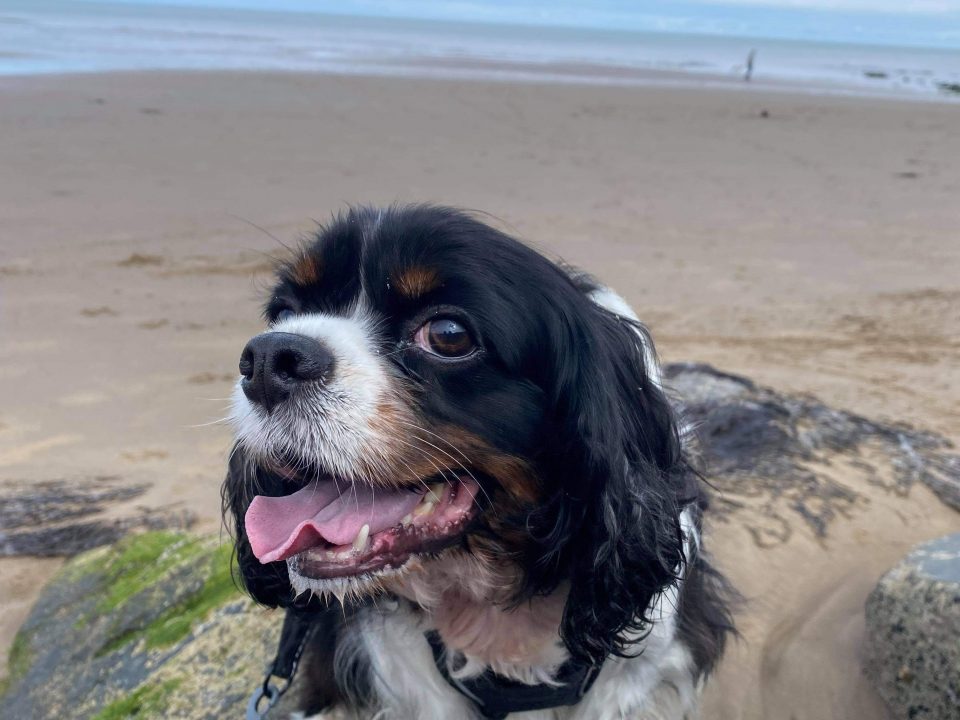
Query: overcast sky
(933,23)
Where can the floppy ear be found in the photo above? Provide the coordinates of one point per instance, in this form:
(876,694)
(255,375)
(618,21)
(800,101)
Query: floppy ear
(616,524)
(268,584)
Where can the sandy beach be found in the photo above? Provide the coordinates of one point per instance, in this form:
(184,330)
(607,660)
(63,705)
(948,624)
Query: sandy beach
(810,243)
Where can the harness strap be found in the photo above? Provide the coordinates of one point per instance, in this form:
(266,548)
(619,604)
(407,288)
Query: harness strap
(496,696)
(296,633)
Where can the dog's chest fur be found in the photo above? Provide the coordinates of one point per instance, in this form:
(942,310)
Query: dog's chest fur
(405,683)
(385,644)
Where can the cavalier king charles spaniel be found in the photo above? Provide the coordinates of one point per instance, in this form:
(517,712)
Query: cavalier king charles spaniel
(455,459)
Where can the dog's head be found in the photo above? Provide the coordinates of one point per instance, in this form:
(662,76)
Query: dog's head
(434,406)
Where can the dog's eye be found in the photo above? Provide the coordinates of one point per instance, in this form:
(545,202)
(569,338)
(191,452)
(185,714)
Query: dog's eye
(284,314)
(445,337)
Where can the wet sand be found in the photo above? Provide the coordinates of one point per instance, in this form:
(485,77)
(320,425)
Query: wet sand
(810,243)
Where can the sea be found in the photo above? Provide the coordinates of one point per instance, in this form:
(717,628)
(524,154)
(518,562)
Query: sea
(75,36)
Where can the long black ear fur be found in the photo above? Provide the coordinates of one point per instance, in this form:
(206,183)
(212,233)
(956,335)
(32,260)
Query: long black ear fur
(616,523)
(268,584)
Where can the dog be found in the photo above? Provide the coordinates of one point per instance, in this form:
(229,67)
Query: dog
(455,457)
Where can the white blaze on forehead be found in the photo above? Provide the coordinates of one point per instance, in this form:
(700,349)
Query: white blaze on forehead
(338,423)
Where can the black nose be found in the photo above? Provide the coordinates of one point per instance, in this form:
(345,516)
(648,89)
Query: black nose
(274,363)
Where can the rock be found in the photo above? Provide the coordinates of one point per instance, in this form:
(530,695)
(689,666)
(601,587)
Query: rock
(781,452)
(913,633)
(60,518)
(152,627)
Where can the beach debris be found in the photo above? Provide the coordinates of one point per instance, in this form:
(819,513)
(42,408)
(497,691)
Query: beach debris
(140,260)
(98,311)
(61,518)
(913,633)
(796,459)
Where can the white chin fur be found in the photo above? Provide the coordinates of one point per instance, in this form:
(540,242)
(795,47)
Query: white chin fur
(345,588)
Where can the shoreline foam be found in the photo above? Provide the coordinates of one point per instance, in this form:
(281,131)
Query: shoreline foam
(58,37)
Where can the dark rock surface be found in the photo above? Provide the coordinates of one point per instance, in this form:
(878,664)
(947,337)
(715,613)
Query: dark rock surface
(58,518)
(151,627)
(784,452)
(913,633)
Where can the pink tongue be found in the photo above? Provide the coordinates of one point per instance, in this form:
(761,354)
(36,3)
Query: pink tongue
(279,527)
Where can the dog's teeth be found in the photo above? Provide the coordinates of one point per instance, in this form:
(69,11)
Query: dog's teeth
(362,539)
(407,520)
(429,500)
(424,508)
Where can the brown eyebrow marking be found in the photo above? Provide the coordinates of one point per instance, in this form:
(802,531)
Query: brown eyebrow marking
(305,270)
(416,281)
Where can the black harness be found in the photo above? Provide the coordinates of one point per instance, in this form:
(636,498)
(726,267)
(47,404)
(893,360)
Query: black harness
(494,696)
(297,631)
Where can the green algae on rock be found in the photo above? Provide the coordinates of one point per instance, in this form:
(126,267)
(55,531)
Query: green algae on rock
(151,627)
(148,700)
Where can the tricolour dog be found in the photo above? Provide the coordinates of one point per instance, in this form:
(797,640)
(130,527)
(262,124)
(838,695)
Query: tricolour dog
(455,459)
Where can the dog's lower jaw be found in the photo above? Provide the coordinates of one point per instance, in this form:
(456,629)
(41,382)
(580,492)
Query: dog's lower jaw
(421,579)
(344,590)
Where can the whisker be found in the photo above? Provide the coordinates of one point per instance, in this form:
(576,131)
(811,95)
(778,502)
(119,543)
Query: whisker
(413,472)
(265,232)
(439,437)
(456,461)
(315,482)
(455,449)
(394,352)
(438,449)
(208,424)
(429,460)
(233,451)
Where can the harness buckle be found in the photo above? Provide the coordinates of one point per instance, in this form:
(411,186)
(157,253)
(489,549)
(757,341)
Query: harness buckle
(588,679)
(296,633)
(267,691)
